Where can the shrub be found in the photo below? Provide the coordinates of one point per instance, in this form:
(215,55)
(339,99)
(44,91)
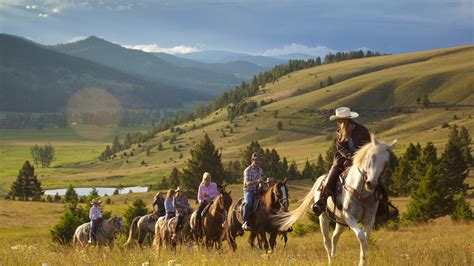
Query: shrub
(138,208)
(63,231)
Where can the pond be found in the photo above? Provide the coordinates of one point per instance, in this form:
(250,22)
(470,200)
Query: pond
(84,191)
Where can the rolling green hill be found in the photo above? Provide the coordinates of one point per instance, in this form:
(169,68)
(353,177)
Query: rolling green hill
(384,90)
(37,79)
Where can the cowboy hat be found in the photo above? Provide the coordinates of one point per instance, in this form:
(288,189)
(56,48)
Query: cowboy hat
(343,113)
(96,200)
(178,189)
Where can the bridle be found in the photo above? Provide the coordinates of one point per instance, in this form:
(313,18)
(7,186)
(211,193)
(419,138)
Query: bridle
(357,194)
(283,200)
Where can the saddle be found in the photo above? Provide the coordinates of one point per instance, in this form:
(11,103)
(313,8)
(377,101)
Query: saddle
(240,206)
(206,209)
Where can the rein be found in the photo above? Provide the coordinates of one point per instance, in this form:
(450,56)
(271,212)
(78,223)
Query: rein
(358,195)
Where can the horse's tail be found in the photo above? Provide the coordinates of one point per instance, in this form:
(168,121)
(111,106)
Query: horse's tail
(283,221)
(133,230)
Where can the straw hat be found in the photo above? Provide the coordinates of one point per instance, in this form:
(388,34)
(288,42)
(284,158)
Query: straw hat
(343,113)
(180,189)
(96,200)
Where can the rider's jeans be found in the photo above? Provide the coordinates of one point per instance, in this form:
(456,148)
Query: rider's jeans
(248,197)
(93,228)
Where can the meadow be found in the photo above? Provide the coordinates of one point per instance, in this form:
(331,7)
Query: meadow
(25,240)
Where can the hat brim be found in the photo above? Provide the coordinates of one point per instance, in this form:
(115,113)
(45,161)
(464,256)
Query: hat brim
(352,116)
(98,202)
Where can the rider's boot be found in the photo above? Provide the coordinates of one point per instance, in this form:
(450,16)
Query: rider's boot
(320,205)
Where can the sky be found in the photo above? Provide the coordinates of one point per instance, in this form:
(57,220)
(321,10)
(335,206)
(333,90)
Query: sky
(265,27)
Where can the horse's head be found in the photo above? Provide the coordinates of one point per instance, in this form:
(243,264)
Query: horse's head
(118,224)
(281,194)
(371,160)
(225,199)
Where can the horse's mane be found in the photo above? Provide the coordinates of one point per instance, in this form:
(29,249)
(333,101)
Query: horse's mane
(361,153)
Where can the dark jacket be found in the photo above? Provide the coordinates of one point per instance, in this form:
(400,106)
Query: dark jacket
(160,207)
(360,135)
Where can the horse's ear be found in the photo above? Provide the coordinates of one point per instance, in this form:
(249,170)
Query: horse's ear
(392,145)
(284,180)
(228,193)
(373,139)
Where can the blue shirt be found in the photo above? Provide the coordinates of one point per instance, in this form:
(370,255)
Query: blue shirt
(169,205)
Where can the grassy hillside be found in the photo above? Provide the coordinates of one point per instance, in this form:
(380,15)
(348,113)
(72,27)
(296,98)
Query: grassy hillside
(383,89)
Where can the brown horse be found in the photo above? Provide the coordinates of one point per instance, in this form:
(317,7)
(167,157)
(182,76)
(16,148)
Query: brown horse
(275,199)
(214,220)
(166,235)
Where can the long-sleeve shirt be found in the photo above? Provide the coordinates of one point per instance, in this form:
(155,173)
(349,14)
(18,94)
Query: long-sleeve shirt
(95,213)
(252,173)
(181,205)
(207,193)
(169,207)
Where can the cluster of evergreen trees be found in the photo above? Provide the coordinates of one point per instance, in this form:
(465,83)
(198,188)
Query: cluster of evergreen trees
(341,56)
(32,120)
(240,108)
(43,155)
(436,185)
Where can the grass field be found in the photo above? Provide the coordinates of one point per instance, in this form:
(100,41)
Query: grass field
(24,240)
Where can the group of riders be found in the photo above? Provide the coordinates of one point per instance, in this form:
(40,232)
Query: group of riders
(350,137)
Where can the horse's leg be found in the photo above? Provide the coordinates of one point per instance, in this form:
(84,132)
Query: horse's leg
(361,235)
(273,236)
(335,237)
(324,223)
(251,239)
(263,236)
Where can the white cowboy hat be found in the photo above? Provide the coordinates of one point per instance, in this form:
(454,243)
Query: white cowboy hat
(96,201)
(343,113)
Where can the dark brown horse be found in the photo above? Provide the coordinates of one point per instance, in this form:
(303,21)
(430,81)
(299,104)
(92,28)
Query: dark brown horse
(275,199)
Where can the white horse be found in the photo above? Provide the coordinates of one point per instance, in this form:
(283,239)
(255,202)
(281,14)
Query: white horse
(359,198)
(105,232)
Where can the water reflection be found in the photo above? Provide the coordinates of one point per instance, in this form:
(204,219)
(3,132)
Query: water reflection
(84,191)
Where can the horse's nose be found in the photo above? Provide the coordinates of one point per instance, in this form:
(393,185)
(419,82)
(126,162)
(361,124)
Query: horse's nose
(368,183)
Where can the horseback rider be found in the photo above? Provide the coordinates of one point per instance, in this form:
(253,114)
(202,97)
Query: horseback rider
(181,205)
(253,176)
(158,207)
(207,192)
(169,208)
(350,137)
(95,214)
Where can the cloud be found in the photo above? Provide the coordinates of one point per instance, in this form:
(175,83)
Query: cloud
(298,48)
(180,49)
(31,6)
(43,15)
(76,39)
(57,10)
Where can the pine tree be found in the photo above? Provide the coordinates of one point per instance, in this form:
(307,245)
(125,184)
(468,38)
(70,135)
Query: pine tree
(279,125)
(330,157)
(330,81)
(204,158)
(127,143)
(429,200)
(293,172)
(71,195)
(26,185)
(307,172)
(427,156)
(92,195)
(160,147)
(138,208)
(116,146)
(462,210)
(319,168)
(465,142)
(283,167)
(173,178)
(454,166)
